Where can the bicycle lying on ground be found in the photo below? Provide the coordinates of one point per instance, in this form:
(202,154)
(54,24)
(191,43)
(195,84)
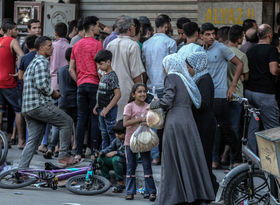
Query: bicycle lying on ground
(3,147)
(246,183)
(81,180)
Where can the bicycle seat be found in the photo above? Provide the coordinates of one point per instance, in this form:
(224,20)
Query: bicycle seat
(51,166)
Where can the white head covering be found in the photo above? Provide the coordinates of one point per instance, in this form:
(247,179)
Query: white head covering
(174,64)
(198,61)
(188,49)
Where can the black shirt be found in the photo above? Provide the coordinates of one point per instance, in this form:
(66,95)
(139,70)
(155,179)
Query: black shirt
(260,78)
(26,59)
(67,88)
(108,83)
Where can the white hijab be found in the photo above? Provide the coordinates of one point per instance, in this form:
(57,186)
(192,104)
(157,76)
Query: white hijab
(175,64)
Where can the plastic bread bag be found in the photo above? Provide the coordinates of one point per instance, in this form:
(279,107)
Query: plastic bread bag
(155,118)
(143,139)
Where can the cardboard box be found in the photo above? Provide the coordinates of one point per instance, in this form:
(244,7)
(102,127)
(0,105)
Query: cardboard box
(269,150)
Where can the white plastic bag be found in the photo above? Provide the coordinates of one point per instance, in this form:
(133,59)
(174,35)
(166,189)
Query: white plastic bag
(143,139)
(155,118)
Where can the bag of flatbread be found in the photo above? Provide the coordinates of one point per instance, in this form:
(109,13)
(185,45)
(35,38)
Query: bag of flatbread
(155,118)
(144,139)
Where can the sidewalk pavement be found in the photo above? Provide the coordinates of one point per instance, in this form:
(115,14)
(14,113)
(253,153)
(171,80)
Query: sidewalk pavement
(38,162)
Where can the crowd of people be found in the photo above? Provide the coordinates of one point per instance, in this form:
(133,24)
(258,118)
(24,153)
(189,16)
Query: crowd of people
(92,87)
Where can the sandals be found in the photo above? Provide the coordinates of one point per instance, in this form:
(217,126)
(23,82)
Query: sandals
(21,147)
(152,197)
(13,141)
(215,165)
(42,148)
(129,197)
(68,161)
(118,188)
(48,154)
(79,158)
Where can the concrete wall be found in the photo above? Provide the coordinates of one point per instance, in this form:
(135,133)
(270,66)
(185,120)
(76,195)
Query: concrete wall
(229,13)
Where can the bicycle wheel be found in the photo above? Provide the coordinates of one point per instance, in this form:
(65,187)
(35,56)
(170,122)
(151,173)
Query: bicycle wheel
(4,147)
(78,185)
(14,180)
(239,191)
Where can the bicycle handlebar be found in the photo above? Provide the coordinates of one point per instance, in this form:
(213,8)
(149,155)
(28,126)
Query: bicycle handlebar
(244,101)
(240,99)
(255,114)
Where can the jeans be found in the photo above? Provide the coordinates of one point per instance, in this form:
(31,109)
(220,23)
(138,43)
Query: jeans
(221,107)
(72,112)
(106,125)
(269,115)
(55,133)
(37,120)
(234,111)
(86,100)
(131,165)
(45,137)
(155,152)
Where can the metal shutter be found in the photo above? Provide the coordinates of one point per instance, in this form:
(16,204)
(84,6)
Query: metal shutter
(108,10)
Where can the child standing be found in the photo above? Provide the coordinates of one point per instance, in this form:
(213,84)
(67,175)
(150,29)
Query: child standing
(108,95)
(134,115)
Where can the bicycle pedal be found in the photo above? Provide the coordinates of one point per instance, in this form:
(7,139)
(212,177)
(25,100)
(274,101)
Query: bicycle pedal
(40,184)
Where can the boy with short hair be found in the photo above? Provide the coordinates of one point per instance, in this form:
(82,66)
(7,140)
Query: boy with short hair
(113,157)
(27,58)
(108,95)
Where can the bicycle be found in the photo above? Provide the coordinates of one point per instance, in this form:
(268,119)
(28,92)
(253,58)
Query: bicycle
(82,180)
(3,147)
(246,183)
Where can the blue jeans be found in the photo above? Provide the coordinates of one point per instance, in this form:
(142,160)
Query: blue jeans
(131,165)
(86,100)
(269,115)
(155,152)
(55,133)
(106,125)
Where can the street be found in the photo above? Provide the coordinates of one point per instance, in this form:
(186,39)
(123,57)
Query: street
(46,196)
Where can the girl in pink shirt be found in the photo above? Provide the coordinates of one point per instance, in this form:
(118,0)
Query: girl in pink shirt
(134,115)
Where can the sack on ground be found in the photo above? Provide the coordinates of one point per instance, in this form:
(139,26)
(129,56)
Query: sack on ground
(143,139)
(155,118)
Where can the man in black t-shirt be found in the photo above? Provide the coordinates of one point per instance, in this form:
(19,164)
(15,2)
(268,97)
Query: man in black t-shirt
(261,87)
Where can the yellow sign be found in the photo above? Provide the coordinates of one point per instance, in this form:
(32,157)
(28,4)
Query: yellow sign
(228,15)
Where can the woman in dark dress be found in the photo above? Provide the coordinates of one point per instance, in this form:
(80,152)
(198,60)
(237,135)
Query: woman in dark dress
(204,116)
(184,174)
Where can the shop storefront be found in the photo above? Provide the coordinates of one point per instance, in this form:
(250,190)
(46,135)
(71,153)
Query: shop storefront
(108,10)
(218,12)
